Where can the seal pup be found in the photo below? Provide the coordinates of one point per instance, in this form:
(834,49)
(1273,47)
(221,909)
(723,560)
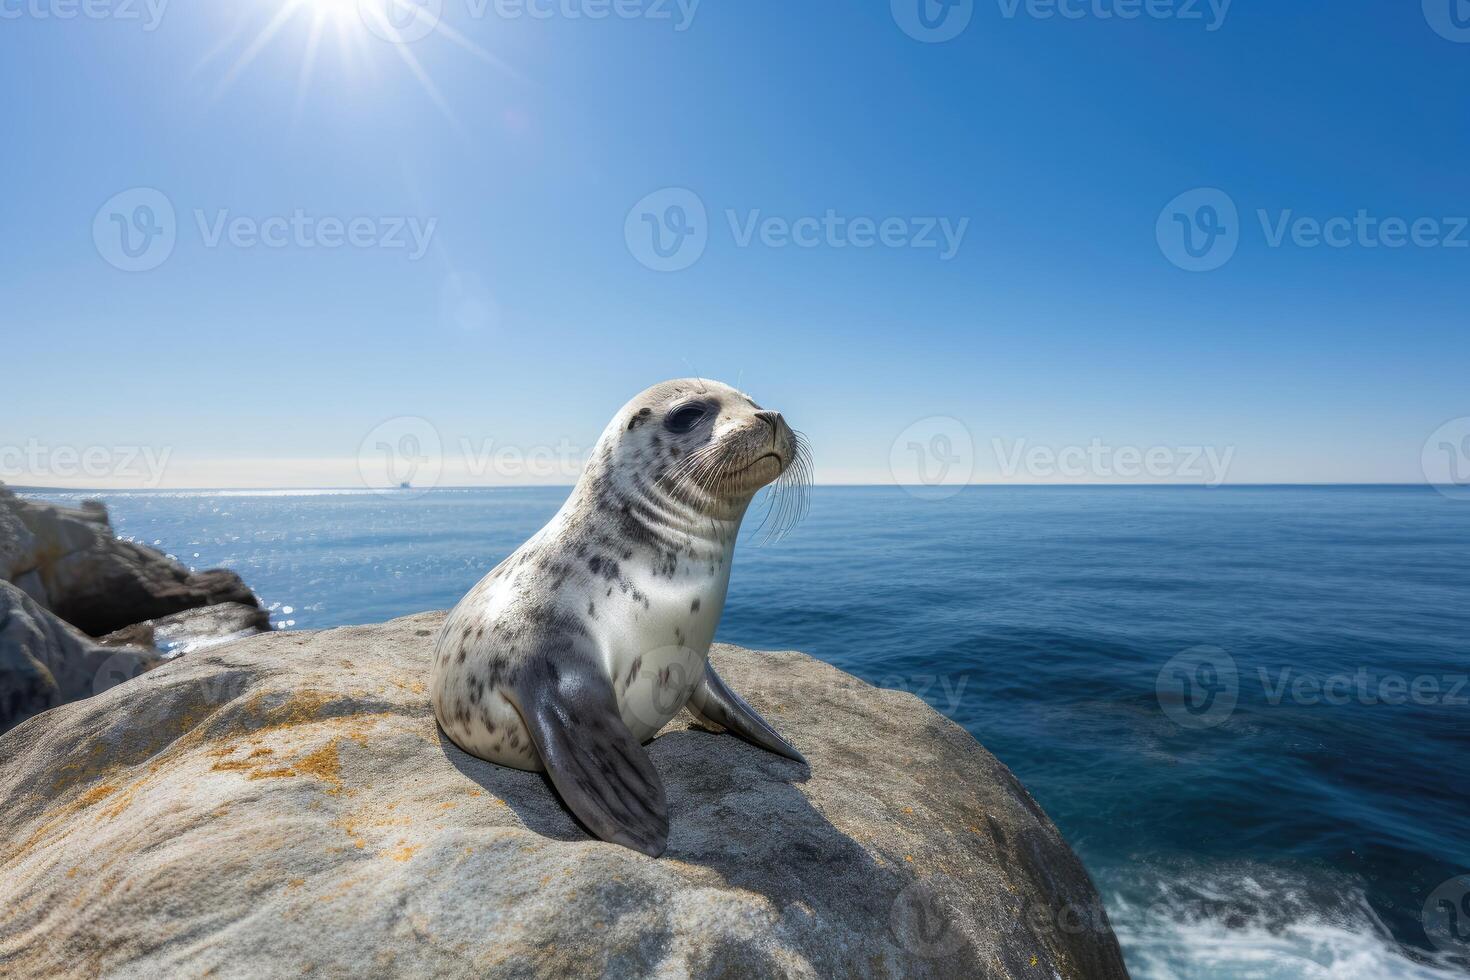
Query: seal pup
(589,638)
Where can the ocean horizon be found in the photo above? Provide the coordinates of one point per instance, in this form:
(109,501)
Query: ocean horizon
(1295,833)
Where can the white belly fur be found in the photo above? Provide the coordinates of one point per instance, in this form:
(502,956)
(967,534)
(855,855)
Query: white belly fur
(662,648)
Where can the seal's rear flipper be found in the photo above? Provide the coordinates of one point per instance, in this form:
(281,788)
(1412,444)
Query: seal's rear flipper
(598,767)
(713,701)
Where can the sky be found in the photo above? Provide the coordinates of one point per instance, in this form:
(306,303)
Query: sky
(332,243)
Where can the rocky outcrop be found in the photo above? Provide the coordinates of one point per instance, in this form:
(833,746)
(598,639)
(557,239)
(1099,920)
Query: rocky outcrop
(69,561)
(286,805)
(75,571)
(44,662)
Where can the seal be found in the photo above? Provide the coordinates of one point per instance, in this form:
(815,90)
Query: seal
(576,649)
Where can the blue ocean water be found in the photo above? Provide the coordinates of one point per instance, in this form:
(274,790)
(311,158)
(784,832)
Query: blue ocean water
(1300,832)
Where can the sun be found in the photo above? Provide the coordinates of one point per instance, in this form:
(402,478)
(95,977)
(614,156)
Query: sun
(365,32)
(343,12)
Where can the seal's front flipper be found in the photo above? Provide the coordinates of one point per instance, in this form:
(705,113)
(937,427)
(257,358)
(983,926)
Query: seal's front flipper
(713,701)
(599,769)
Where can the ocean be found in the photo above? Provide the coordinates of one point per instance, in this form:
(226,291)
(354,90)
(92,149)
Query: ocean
(1246,707)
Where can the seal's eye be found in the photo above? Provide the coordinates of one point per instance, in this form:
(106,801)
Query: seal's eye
(685,417)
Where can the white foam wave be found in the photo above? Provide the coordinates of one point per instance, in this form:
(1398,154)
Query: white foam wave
(1260,924)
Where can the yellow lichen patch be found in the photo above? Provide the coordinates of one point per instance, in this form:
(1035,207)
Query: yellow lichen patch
(95,794)
(273,773)
(123,799)
(405,851)
(324,764)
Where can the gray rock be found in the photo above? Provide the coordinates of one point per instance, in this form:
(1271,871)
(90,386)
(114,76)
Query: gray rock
(18,549)
(193,629)
(44,662)
(286,805)
(70,561)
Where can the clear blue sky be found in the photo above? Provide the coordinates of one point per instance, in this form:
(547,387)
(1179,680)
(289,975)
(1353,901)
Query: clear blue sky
(1059,320)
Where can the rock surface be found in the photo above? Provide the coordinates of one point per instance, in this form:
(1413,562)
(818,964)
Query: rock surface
(44,662)
(193,629)
(285,805)
(69,561)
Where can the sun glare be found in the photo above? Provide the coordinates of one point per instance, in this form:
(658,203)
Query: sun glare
(342,11)
(364,31)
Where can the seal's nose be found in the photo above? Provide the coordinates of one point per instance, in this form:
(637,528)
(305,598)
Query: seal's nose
(774,420)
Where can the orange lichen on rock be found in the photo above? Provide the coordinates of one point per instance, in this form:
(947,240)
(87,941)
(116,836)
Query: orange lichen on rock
(95,794)
(405,851)
(324,764)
